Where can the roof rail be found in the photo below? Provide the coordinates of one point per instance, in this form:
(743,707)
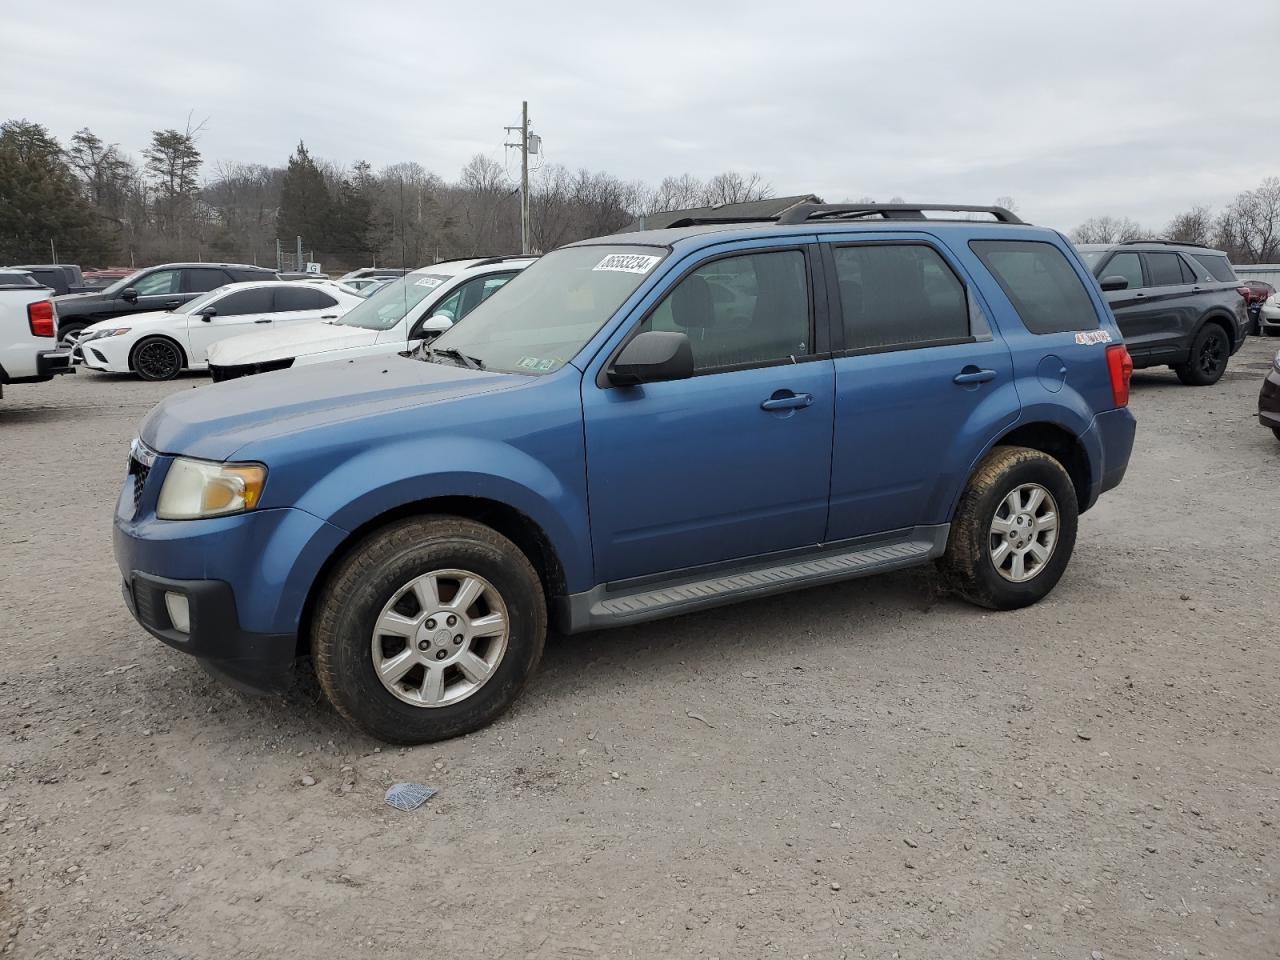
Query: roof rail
(804,212)
(1167,243)
(488,261)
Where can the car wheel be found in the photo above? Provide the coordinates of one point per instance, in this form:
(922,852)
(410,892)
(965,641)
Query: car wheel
(428,629)
(69,333)
(1014,530)
(1276,431)
(1209,353)
(157,358)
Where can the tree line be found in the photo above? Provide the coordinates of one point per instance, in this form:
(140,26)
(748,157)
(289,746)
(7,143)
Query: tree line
(99,205)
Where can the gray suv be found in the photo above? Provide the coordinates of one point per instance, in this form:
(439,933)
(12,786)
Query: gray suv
(1176,304)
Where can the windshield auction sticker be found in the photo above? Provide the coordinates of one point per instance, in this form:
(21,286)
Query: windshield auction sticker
(428,282)
(627,263)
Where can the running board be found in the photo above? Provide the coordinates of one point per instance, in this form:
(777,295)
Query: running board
(613,605)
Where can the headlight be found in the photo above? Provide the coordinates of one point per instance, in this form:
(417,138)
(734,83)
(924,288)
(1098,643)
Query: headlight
(99,334)
(197,488)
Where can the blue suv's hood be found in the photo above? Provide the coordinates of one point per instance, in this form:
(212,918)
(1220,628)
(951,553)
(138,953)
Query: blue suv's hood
(213,422)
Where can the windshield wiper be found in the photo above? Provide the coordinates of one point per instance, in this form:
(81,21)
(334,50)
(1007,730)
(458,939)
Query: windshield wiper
(455,354)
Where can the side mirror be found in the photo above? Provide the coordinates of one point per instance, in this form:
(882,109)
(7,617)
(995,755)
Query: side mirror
(1115,283)
(129,294)
(207,314)
(435,325)
(651,357)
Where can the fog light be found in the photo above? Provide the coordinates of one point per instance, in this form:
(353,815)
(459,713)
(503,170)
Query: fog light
(179,611)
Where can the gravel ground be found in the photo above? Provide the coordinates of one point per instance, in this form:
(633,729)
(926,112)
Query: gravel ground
(860,770)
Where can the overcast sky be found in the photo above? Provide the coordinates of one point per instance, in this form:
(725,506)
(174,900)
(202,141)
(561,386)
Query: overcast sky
(1137,109)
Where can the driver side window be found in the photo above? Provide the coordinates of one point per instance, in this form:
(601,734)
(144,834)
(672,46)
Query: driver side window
(158,283)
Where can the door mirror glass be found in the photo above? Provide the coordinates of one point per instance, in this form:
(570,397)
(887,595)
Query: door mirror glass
(129,294)
(651,357)
(1115,283)
(208,313)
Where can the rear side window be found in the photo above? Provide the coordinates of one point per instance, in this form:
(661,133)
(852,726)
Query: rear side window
(1125,265)
(898,295)
(738,311)
(1040,284)
(1217,265)
(301,298)
(1164,268)
(1188,270)
(244,301)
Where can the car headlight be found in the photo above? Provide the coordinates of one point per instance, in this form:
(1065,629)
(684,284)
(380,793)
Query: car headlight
(1276,363)
(194,489)
(99,334)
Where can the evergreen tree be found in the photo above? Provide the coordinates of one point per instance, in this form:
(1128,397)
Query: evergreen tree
(306,207)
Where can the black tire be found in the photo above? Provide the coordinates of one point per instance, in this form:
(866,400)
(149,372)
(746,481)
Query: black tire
(1210,352)
(1276,431)
(968,564)
(370,576)
(157,358)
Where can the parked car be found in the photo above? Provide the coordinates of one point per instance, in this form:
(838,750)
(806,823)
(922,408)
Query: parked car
(603,444)
(375,272)
(61,278)
(1256,293)
(1176,304)
(160,345)
(1269,316)
(1269,398)
(165,287)
(28,324)
(398,317)
(363,283)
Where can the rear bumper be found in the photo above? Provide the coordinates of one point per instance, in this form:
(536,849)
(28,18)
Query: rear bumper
(254,661)
(1111,434)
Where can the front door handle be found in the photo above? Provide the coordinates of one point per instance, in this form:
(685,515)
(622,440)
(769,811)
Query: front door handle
(263,320)
(170,304)
(788,401)
(974,375)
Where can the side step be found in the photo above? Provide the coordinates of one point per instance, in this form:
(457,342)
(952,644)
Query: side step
(612,605)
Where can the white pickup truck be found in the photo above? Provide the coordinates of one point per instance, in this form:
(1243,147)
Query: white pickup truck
(28,327)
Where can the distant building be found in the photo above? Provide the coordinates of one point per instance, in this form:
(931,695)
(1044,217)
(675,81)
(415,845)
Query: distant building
(752,210)
(1269,272)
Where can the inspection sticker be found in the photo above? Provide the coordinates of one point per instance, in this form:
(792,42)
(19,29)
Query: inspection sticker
(429,282)
(627,263)
(1093,336)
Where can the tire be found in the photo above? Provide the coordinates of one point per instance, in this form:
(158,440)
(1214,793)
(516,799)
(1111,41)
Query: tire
(157,358)
(1209,354)
(970,562)
(361,595)
(69,330)
(1276,431)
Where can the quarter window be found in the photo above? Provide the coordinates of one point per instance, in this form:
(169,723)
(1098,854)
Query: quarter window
(1165,270)
(1047,293)
(743,310)
(158,283)
(1127,265)
(898,295)
(1218,266)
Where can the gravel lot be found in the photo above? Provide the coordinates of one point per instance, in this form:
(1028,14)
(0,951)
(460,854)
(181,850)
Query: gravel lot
(861,770)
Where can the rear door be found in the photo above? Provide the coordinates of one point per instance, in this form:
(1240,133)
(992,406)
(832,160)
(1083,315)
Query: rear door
(294,304)
(922,382)
(734,462)
(1170,312)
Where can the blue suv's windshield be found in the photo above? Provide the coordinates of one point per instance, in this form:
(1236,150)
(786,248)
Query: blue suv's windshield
(548,312)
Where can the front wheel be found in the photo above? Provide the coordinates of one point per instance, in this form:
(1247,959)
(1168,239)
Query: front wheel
(157,358)
(69,333)
(1209,353)
(1014,530)
(428,629)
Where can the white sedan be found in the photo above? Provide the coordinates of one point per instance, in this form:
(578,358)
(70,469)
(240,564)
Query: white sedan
(160,345)
(406,312)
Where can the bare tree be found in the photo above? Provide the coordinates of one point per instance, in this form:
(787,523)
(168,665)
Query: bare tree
(1249,229)
(1192,226)
(733,187)
(1107,230)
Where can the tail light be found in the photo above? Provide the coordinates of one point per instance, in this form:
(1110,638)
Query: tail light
(1245,292)
(41,318)
(1120,366)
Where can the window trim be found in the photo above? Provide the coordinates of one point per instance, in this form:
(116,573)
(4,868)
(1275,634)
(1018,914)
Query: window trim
(1142,268)
(837,313)
(813,283)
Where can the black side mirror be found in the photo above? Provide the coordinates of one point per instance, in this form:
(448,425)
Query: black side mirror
(207,314)
(1115,283)
(129,294)
(653,356)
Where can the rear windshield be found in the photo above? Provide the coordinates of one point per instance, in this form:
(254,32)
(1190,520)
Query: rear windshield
(1040,283)
(1217,265)
(12,279)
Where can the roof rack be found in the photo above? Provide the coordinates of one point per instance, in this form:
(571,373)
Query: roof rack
(1167,243)
(805,212)
(489,261)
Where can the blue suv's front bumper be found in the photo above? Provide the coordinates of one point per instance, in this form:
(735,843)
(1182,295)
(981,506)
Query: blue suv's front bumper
(245,578)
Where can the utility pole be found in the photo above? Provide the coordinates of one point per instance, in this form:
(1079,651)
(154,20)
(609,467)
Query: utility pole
(523,146)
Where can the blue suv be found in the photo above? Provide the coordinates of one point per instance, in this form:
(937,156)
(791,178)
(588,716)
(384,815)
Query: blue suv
(637,426)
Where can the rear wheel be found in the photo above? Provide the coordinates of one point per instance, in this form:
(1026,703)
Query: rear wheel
(1276,431)
(157,358)
(1209,354)
(428,629)
(1014,530)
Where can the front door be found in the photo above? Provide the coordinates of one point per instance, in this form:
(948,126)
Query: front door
(241,311)
(734,462)
(922,384)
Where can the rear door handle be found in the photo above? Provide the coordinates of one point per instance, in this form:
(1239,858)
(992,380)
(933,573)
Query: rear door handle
(263,320)
(791,401)
(974,375)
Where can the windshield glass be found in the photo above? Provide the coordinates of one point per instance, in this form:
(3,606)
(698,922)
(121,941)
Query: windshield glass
(388,305)
(547,312)
(125,282)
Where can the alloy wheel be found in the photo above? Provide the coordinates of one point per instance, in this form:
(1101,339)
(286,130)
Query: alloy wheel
(1024,532)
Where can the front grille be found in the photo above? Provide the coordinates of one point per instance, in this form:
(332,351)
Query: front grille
(220,373)
(141,459)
